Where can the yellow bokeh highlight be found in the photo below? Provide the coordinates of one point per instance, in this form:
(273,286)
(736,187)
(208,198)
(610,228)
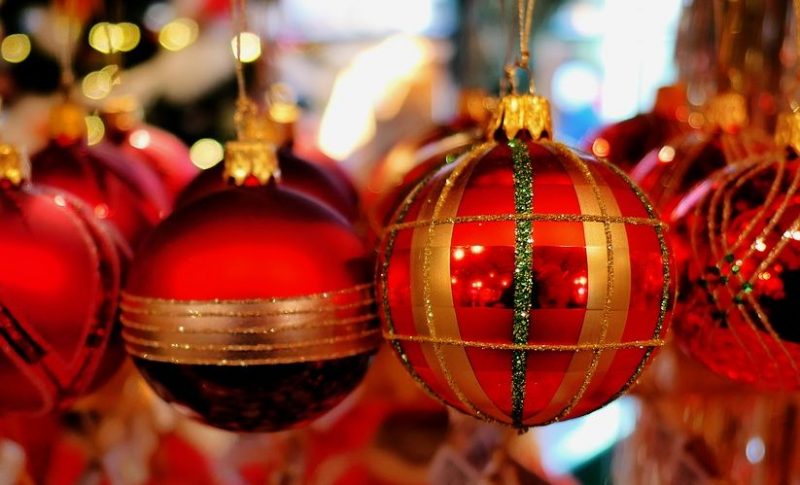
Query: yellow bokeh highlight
(97,84)
(95,130)
(250,48)
(206,152)
(16,48)
(178,34)
(107,38)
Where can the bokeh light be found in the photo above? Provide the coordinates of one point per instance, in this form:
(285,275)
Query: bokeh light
(206,152)
(97,84)
(95,130)
(178,34)
(105,37)
(250,48)
(15,48)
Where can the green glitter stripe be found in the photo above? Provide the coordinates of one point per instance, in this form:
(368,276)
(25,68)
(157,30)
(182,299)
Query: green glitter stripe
(523,274)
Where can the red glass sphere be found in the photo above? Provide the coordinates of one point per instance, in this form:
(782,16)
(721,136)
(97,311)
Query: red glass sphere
(58,300)
(165,154)
(737,308)
(295,173)
(525,283)
(118,189)
(250,309)
(668,173)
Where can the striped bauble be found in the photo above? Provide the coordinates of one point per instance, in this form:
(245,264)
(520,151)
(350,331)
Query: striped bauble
(525,283)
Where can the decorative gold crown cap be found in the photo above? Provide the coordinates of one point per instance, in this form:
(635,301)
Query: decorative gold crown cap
(250,159)
(787,131)
(14,167)
(68,121)
(517,112)
(726,111)
(122,113)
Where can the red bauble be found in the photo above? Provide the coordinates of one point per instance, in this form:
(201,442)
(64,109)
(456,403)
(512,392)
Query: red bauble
(160,150)
(58,295)
(250,308)
(668,173)
(525,283)
(117,188)
(295,173)
(626,142)
(737,312)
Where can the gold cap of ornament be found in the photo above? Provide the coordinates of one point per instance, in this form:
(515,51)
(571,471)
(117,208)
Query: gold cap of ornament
(122,113)
(517,112)
(726,111)
(250,159)
(14,167)
(68,121)
(787,131)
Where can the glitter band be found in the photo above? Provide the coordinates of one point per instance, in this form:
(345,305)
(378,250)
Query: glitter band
(586,347)
(255,331)
(523,274)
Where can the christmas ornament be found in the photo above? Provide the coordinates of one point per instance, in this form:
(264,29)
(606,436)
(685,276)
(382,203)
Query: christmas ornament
(162,151)
(668,173)
(506,281)
(58,294)
(295,172)
(251,308)
(118,189)
(391,179)
(626,142)
(737,315)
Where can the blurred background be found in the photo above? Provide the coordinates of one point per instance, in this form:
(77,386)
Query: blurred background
(364,74)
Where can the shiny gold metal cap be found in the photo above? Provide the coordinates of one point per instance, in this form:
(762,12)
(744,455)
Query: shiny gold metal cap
(68,121)
(518,112)
(14,167)
(250,160)
(726,111)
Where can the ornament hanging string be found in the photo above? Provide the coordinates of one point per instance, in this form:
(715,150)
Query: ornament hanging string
(238,11)
(525,17)
(67,74)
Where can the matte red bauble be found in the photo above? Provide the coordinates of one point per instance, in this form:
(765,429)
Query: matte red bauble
(295,173)
(117,188)
(738,309)
(392,178)
(626,142)
(525,283)
(163,152)
(252,308)
(668,173)
(58,295)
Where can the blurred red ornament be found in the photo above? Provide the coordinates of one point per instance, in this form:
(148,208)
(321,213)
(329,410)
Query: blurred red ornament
(626,142)
(738,312)
(395,175)
(668,173)
(295,173)
(525,283)
(58,294)
(251,308)
(162,151)
(118,189)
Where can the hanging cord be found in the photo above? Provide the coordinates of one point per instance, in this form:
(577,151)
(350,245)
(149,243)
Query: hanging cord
(243,104)
(518,75)
(67,73)
(525,15)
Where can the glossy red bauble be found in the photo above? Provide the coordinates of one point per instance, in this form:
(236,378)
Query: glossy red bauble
(295,173)
(525,283)
(251,309)
(737,312)
(119,190)
(58,299)
(626,142)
